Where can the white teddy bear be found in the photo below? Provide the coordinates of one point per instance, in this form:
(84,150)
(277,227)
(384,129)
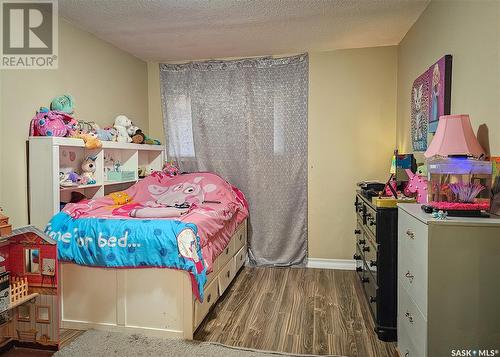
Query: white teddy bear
(122,123)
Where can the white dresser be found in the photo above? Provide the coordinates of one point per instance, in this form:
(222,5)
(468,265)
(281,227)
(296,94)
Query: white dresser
(448,284)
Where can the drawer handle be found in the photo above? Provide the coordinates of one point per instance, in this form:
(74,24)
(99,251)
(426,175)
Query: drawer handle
(410,276)
(366,249)
(228,274)
(241,237)
(407,353)
(357,231)
(373,299)
(362,241)
(241,258)
(209,297)
(356,257)
(409,317)
(365,280)
(227,251)
(373,263)
(410,234)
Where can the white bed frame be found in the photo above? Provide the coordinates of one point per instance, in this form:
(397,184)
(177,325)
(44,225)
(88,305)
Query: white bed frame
(152,301)
(155,302)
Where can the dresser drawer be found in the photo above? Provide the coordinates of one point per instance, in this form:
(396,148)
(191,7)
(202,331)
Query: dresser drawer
(370,288)
(412,326)
(226,275)
(201,308)
(371,220)
(412,259)
(412,235)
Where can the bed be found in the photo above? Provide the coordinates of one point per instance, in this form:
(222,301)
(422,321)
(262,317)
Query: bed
(153,258)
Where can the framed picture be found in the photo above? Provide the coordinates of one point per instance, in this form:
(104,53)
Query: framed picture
(430,99)
(49,266)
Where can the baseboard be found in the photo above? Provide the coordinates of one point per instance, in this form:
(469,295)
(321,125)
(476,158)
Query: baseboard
(341,264)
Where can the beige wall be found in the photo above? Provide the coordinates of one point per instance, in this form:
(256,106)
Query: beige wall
(352,113)
(470,31)
(104,81)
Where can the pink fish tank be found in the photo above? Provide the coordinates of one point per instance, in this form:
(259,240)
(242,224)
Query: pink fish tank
(461,186)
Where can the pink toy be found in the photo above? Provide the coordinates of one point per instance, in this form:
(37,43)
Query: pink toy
(417,184)
(51,123)
(170,169)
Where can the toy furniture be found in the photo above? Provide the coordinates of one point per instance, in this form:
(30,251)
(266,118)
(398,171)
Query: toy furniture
(153,301)
(447,283)
(32,314)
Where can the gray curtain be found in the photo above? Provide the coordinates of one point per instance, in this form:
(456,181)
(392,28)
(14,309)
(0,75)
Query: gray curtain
(246,120)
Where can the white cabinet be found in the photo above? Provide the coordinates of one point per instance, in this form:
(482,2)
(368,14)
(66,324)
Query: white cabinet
(50,155)
(448,284)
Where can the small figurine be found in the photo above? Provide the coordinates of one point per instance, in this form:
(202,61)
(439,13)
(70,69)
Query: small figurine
(88,170)
(441,215)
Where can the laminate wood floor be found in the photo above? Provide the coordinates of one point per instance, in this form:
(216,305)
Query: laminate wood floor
(295,310)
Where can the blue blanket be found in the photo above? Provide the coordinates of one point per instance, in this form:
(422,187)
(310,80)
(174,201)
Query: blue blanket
(130,243)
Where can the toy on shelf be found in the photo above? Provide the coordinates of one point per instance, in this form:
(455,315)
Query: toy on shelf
(88,170)
(90,139)
(63,103)
(122,123)
(52,123)
(138,137)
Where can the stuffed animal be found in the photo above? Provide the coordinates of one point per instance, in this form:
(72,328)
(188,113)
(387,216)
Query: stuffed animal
(63,103)
(132,129)
(107,134)
(138,137)
(122,123)
(69,179)
(51,123)
(170,169)
(88,170)
(90,139)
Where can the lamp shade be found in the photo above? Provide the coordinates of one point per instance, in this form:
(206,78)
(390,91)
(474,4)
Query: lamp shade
(454,136)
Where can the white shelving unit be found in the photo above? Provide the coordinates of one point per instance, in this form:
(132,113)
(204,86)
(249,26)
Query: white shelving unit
(50,155)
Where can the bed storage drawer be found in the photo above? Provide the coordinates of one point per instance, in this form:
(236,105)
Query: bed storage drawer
(225,255)
(240,258)
(240,237)
(226,275)
(201,308)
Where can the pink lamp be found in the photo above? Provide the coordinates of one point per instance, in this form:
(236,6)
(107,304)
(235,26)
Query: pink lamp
(454,136)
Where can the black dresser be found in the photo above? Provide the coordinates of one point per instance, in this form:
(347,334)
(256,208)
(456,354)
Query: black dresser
(376,262)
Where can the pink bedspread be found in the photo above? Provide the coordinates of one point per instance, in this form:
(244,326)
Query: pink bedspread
(215,206)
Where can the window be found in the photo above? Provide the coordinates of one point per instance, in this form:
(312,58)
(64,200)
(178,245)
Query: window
(43,314)
(24,313)
(32,261)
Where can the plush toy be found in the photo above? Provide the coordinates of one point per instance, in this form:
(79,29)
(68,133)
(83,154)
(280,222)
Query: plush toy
(88,170)
(51,123)
(63,103)
(138,137)
(151,141)
(90,139)
(170,169)
(122,123)
(132,129)
(69,179)
(107,134)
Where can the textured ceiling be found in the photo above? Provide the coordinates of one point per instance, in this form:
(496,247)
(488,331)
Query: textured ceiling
(164,30)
